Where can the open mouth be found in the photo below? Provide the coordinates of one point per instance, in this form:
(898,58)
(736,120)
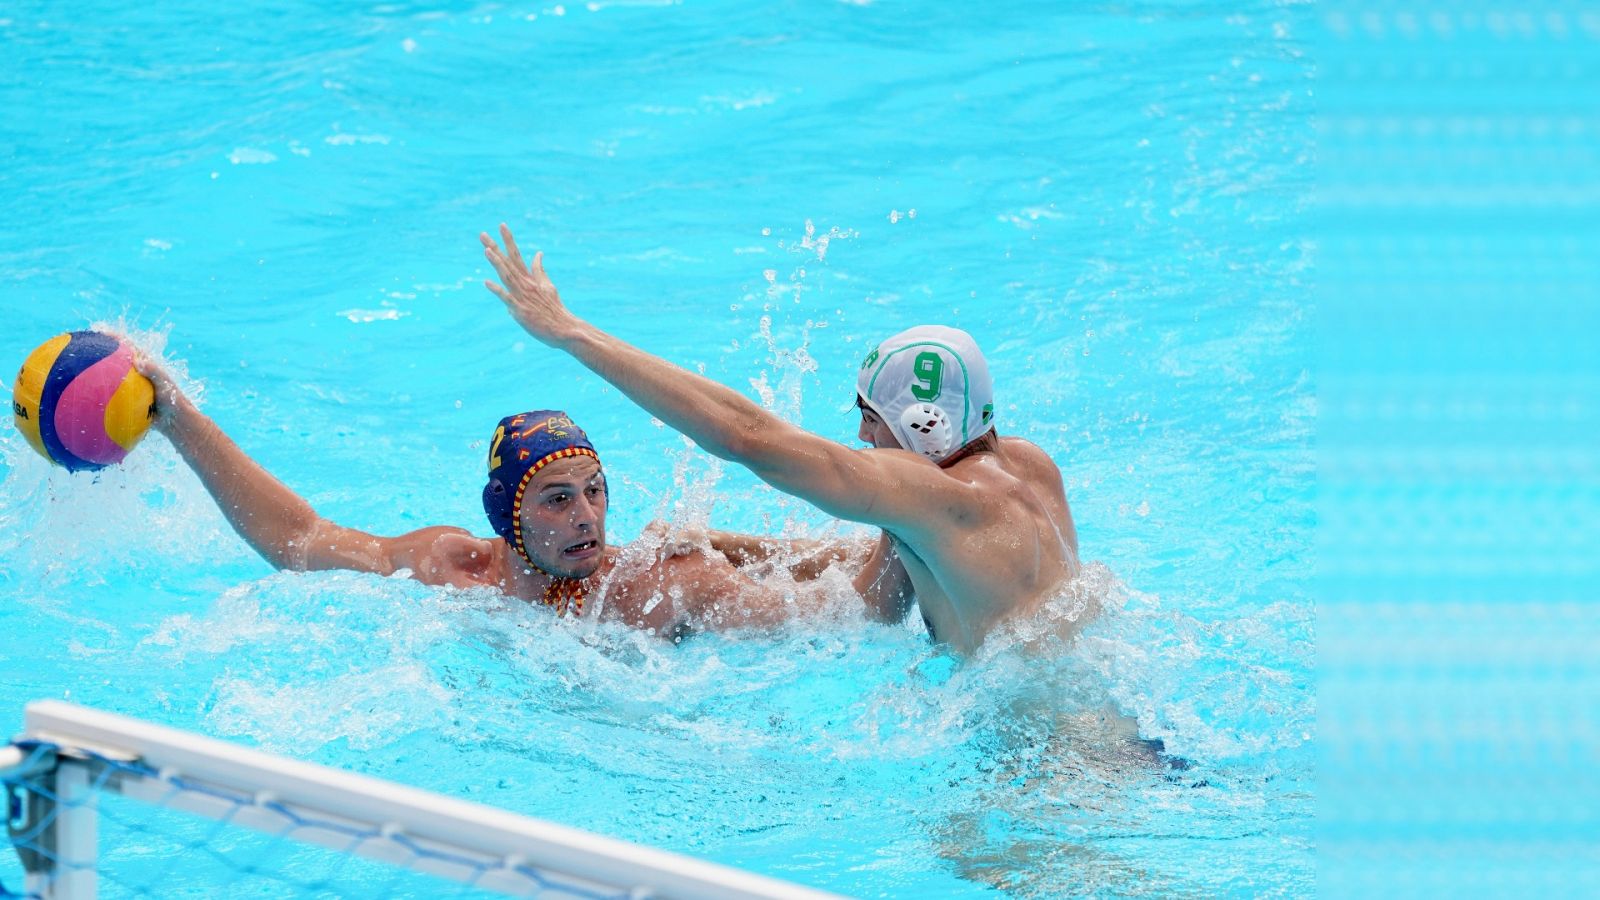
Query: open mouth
(583,548)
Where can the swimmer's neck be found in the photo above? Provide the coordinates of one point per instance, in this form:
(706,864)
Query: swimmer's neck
(530,584)
(989,442)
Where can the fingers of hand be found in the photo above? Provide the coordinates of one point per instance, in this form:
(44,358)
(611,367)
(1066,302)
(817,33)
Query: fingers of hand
(511,246)
(497,290)
(501,266)
(492,252)
(149,368)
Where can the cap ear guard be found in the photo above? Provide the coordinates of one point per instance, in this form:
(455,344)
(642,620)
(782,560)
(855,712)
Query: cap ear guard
(925,428)
(497,505)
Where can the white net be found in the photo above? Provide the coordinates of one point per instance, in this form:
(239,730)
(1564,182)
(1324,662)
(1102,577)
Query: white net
(157,846)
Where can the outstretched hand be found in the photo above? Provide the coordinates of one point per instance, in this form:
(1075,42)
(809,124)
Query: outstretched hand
(529,295)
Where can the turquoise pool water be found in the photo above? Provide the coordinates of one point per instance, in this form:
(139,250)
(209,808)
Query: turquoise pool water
(284,201)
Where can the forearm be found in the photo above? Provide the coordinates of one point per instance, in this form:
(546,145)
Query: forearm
(805,559)
(745,549)
(268,515)
(884,584)
(816,559)
(718,418)
(841,482)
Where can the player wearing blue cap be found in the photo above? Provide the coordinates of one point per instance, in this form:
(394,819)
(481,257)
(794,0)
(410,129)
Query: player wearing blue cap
(976,528)
(546,500)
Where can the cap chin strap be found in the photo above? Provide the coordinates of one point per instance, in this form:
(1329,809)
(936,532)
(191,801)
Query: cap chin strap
(562,593)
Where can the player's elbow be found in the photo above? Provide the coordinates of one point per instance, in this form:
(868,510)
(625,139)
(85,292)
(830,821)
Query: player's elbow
(287,557)
(722,446)
(290,548)
(749,441)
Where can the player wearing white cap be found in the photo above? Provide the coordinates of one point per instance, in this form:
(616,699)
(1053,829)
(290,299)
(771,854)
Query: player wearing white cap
(976,529)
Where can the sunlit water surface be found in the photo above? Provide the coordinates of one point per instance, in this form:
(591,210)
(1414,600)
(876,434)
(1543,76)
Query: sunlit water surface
(284,202)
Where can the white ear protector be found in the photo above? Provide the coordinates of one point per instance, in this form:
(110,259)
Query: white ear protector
(926,429)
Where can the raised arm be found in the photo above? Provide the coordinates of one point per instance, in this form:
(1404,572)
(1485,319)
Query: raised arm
(888,488)
(276,521)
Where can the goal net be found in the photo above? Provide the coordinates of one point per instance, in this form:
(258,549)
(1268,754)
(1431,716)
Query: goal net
(105,805)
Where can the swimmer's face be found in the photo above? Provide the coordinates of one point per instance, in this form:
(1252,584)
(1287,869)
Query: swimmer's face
(564,517)
(873,430)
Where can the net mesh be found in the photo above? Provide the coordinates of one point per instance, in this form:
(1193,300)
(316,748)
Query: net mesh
(160,834)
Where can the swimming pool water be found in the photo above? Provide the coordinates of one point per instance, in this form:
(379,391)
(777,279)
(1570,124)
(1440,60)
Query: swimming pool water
(285,200)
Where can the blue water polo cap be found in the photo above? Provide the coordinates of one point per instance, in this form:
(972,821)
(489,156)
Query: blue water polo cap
(522,445)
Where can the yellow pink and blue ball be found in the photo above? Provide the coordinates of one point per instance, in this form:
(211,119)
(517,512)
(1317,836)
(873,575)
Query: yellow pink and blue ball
(80,402)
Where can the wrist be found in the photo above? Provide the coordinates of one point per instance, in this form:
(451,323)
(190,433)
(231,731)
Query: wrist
(174,413)
(574,334)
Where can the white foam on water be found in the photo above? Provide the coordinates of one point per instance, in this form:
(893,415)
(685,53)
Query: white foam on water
(346,140)
(251,156)
(363,316)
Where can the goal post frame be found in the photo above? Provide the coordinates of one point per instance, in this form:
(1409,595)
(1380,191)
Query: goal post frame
(490,848)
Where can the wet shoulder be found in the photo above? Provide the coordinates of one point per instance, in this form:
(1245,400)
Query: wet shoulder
(446,553)
(448,540)
(1015,461)
(1028,461)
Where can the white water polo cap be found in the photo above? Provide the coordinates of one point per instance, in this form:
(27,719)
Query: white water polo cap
(931,386)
